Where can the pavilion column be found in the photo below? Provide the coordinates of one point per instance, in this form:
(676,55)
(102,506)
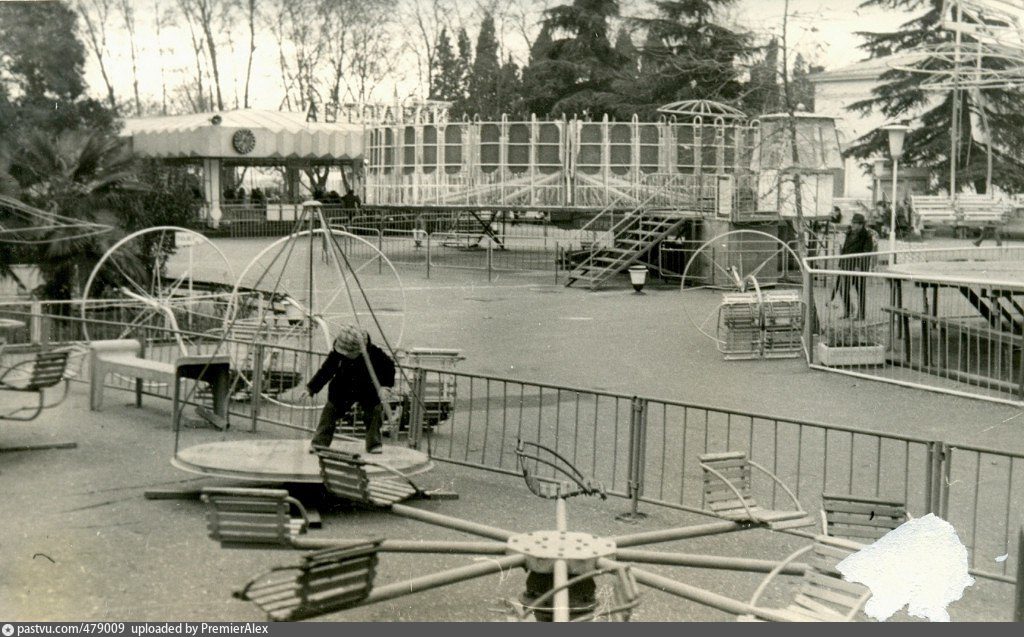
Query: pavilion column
(211,184)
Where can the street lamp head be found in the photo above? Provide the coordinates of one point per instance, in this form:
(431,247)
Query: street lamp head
(878,167)
(897,134)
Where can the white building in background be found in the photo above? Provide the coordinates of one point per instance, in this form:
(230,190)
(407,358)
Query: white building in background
(834,92)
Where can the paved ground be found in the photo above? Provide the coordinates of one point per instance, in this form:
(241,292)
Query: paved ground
(84,544)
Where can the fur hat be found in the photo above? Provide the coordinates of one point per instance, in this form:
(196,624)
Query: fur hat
(857,218)
(348,339)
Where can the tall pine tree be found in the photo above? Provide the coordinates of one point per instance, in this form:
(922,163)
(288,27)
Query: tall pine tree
(576,73)
(446,76)
(688,55)
(899,95)
(763,94)
(486,73)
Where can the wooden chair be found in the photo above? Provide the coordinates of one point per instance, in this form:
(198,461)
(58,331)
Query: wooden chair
(823,594)
(345,475)
(323,582)
(253,518)
(45,370)
(860,518)
(728,495)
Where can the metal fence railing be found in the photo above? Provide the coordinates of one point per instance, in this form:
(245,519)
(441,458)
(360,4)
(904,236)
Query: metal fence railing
(644,449)
(940,319)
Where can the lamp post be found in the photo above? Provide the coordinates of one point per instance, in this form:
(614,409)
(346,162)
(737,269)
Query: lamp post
(897,133)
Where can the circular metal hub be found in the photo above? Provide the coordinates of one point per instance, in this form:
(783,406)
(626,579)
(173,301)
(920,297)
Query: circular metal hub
(542,548)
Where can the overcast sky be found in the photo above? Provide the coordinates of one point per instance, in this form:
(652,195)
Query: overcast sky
(822,30)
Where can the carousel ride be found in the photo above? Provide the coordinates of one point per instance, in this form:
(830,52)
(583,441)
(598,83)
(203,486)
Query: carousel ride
(563,567)
(178,297)
(750,321)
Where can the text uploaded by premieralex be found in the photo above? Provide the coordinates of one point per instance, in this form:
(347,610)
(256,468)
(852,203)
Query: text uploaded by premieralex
(123,628)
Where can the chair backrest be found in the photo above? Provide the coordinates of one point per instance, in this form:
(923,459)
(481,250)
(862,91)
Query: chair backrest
(861,518)
(735,468)
(823,591)
(335,579)
(324,582)
(249,516)
(47,370)
(567,480)
(345,476)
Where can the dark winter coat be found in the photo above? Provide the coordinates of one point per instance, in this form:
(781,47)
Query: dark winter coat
(349,378)
(857,242)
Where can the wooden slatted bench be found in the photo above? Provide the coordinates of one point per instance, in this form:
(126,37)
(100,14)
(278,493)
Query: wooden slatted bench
(981,211)
(860,518)
(933,210)
(823,595)
(251,518)
(122,357)
(728,492)
(323,582)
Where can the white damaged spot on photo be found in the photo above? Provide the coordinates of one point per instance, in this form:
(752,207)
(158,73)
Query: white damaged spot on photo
(921,564)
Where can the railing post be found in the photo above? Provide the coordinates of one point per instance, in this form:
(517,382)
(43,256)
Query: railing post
(558,260)
(416,398)
(257,386)
(637,459)
(380,247)
(1018,606)
(939,461)
(36,323)
(810,311)
(490,257)
(428,255)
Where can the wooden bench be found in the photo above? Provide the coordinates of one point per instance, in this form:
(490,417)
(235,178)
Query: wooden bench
(981,211)
(933,210)
(251,518)
(728,494)
(860,518)
(323,582)
(823,596)
(122,356)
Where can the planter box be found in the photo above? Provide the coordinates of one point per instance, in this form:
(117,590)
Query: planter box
(851,356)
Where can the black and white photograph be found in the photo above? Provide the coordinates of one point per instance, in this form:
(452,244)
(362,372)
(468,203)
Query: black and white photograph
(510,311)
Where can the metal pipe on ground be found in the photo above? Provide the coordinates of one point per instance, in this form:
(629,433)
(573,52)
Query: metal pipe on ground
(680,533)
(437,580)
(699,595)
(451,523)
(707,561)
(406,546)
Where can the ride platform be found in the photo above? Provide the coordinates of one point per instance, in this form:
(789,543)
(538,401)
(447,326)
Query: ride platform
(286,461)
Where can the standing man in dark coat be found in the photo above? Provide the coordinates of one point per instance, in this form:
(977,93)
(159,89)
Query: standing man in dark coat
(351,383)
(858,242)
(351,200)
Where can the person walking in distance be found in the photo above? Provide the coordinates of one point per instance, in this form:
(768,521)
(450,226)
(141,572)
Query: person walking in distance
(351,383)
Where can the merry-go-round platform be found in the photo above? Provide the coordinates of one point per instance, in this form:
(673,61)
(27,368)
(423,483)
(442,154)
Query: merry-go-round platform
(287,461)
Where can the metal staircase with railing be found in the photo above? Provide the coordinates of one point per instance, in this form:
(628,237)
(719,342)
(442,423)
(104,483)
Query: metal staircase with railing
(631,238)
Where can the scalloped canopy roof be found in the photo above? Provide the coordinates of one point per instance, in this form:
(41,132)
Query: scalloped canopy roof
(703,108)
